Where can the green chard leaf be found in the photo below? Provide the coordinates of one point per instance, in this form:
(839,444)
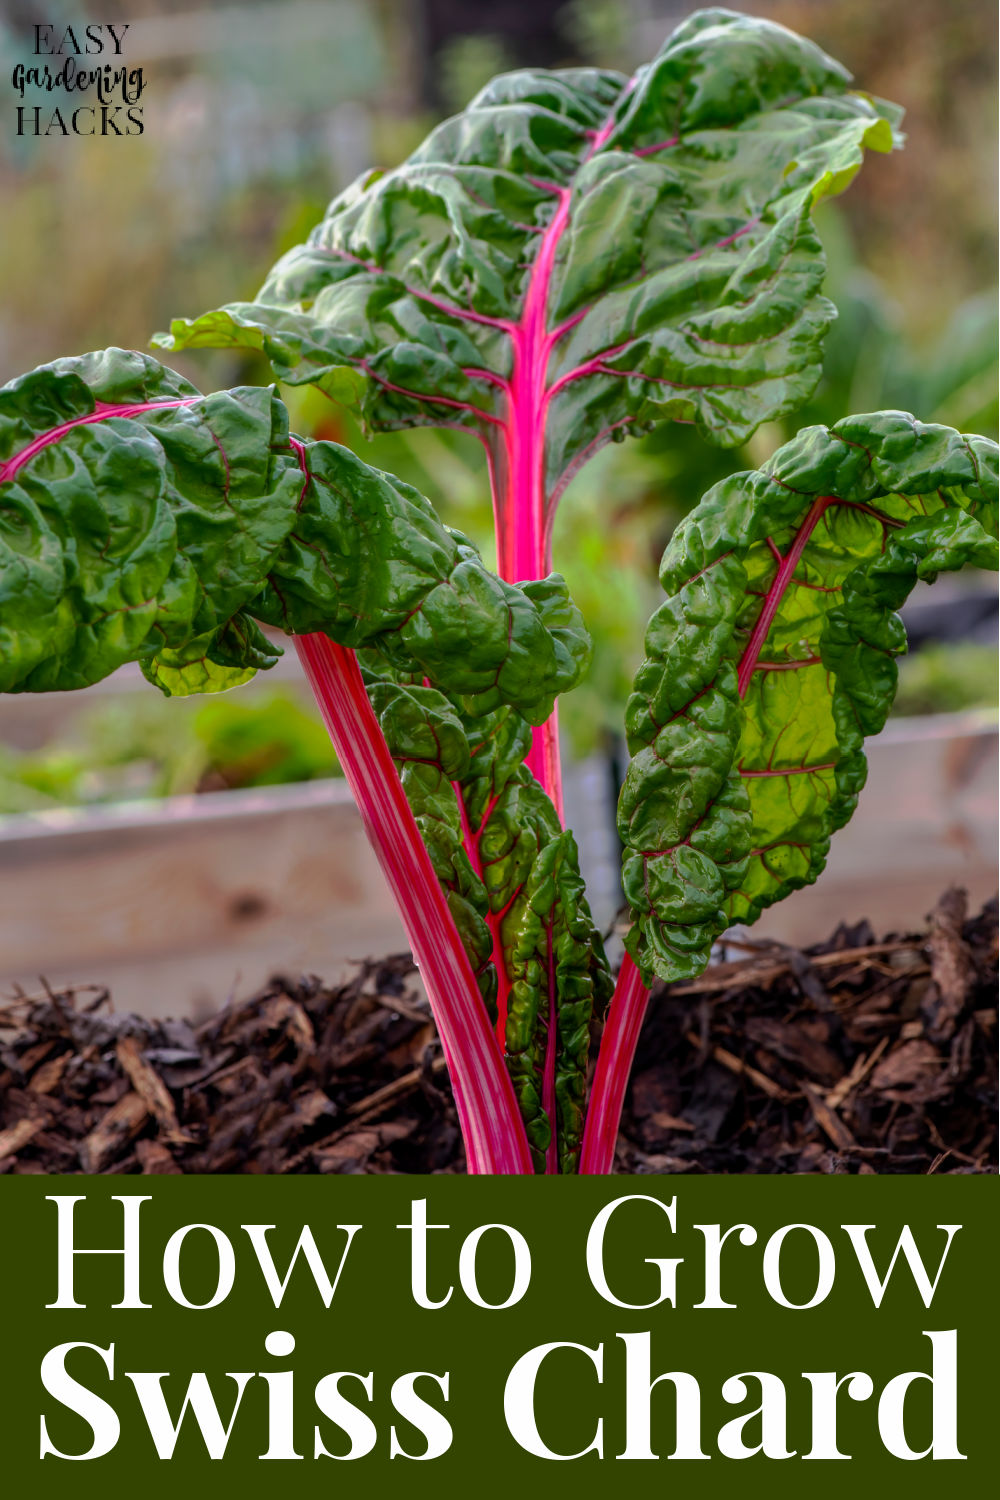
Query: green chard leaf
(513,887)
(143,521)
(773,658)
(558,975)
(368,562)
(579,255)
(137,519)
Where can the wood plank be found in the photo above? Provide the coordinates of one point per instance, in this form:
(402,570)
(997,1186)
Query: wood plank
(178,910)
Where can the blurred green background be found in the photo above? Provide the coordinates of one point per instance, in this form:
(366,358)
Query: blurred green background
(256,114)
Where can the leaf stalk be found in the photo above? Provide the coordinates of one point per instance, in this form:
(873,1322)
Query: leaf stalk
(488,1113)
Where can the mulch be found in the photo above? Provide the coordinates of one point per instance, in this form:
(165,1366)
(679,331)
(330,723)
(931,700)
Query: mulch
(855,1055)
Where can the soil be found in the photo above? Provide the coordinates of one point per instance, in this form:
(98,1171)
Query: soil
(856,1055)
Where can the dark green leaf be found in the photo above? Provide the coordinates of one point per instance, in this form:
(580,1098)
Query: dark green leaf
(367,561)
(137,517)
(142,521)
(579,255)
(513,886)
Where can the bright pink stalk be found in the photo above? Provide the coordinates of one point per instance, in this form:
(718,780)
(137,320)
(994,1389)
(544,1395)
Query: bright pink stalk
(102,412)
(523,515)
(614,1063)
(775,594)
(488,1113)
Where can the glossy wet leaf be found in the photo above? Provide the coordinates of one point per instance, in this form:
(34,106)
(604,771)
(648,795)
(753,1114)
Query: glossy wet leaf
(142,521)
(136,517)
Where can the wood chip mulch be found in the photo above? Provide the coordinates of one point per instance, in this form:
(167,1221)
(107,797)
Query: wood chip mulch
(855,1055)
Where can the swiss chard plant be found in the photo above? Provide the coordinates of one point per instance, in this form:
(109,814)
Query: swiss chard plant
(576,257)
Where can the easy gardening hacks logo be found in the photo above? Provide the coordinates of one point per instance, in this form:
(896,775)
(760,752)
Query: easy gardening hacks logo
(77,82)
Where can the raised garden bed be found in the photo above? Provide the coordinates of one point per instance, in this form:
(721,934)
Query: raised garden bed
(282,879)
(854,1055)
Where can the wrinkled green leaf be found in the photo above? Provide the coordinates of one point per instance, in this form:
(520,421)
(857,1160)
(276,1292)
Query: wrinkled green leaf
(773,658)
(136,517)
(142,521)
(578,255)
(395,574)
(558,973)
(513,888)
(178,674)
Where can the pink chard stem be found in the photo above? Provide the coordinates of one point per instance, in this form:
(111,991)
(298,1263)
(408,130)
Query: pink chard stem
(614,1064)
(488,1113)
(523,516)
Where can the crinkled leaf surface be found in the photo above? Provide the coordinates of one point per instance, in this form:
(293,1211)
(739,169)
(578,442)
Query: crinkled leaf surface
(579,255)
(514,890)
(773,658)
(137,516)
(367,561)
(142,521)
